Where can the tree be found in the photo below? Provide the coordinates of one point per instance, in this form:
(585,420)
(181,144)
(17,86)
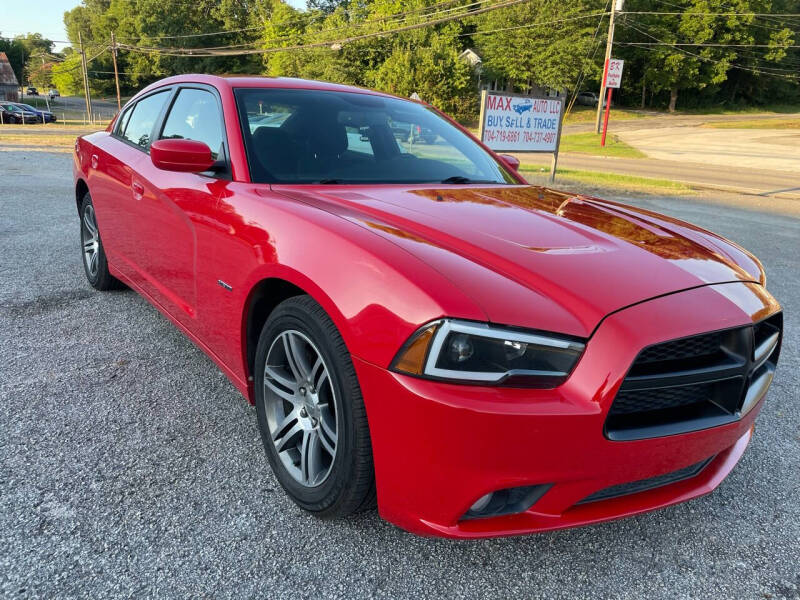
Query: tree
(551,54)
(704,67)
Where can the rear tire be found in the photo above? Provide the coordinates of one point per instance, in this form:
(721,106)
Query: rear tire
(95,264)
(310,412)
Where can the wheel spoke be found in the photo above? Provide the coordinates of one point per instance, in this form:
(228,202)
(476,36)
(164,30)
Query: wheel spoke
(287,420)
(88,245)
(279,391)
(291,358)
(272,373)
(93,263)
(326,432)
(282,441)
(88,220)
(319,374)
(299,356)
(310,464)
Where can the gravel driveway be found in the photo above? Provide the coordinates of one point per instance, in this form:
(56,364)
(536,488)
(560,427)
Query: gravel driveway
(129,466)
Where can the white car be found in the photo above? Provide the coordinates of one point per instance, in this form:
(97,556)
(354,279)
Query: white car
(53,94)
(589,99)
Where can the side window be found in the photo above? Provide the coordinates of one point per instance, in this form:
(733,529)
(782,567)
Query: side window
(195,116)
(143,117)
(123,121)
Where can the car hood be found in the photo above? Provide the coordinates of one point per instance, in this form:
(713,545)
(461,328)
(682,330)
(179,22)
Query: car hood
(581,257)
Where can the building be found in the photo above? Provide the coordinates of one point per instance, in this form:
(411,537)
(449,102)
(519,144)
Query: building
(9,86)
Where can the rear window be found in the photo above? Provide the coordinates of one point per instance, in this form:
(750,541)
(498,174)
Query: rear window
(312,136)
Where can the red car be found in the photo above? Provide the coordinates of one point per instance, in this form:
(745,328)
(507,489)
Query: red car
(415,324)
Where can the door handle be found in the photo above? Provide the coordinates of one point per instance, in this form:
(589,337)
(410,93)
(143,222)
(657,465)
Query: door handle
(138,190)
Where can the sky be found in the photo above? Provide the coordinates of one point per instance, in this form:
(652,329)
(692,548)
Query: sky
(46,17)
(35,16)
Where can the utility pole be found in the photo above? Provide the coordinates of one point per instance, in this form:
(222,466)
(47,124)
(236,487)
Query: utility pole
(116,74)
(85,79)
(47,95)
(617,7)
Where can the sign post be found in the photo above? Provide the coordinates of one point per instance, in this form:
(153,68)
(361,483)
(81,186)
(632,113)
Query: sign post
(517,123)
(613,78)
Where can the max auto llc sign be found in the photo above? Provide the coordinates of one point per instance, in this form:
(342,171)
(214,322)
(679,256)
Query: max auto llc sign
(515,123)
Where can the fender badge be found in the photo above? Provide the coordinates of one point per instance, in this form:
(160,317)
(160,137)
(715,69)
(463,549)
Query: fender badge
(225,285)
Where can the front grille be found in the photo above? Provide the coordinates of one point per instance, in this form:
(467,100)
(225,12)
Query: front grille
(634,487)
(700,345)
(696,382)
(659,399)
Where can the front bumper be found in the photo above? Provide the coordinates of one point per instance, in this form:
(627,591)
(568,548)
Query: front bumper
(439,447)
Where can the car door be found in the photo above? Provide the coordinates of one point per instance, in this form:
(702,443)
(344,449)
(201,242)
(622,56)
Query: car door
(173,209)
(111,181)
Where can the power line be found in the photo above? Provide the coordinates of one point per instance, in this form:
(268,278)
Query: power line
(328,43)
(396,19)
(713,14)
(88,60)
(303,20)
(711,45)
(529,25)
(730,65)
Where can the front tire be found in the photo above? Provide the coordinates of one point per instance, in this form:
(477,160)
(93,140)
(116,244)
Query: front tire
(310,411)
(95,264)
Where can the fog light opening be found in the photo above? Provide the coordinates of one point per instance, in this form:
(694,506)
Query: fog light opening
(481,503)
(506,502)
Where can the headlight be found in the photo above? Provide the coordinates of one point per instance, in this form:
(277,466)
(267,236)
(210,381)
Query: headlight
(466,352)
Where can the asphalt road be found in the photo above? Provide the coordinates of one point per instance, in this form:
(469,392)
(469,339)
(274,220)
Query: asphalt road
(762,182)
(130,467)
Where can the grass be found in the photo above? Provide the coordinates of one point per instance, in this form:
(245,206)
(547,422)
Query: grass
(587,114)
(589,143)
(742,110)
(756,124)
(43,137)
(596,179)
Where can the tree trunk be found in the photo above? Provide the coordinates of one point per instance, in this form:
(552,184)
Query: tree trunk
(644,92)
(673,99)
(735,89)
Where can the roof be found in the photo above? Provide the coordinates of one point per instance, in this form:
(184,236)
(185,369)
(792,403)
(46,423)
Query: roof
(470,56)
(7,76)
(232,82)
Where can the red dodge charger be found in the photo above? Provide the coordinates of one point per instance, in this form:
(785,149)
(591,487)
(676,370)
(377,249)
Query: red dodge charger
(415,324)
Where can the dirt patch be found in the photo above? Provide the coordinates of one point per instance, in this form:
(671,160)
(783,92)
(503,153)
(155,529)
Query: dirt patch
(45,303)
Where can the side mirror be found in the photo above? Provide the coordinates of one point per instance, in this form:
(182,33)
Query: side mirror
(185,156)
(511,161)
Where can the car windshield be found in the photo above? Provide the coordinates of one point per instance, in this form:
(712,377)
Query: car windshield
(312,136)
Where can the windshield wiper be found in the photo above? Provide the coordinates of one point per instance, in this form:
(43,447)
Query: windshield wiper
(462,179)
(329,181)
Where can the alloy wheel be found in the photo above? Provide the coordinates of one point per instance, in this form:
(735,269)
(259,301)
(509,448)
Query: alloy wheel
(90,238)
(301,408)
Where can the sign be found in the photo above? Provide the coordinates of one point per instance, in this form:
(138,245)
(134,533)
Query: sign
(614,75)
(511,123)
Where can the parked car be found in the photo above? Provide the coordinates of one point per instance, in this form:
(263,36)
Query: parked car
(590,99)
(32,91)
(11,113)
(412,133)
(43,116)
(53,93)
(483,356)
